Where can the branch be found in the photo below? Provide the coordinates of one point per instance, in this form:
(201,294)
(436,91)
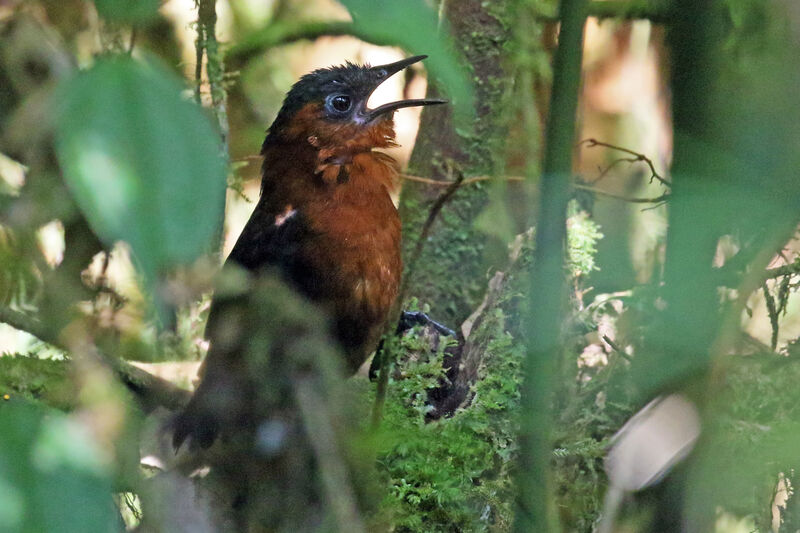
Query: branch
(785,270)
(280,34)
(591,143)
(772,312)
(283,33)
(147,386)
(23,322)
(207,44)
(445,183)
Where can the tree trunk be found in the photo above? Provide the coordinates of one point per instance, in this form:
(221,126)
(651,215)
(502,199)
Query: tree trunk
(450,272)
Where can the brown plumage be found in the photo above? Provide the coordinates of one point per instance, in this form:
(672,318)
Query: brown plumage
(325,221)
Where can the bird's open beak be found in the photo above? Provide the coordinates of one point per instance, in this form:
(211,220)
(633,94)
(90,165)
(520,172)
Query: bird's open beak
(383,73)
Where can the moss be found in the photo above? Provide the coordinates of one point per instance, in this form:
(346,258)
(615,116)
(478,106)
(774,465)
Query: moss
(453,474)
(36,379)
(457,474)
(450,273)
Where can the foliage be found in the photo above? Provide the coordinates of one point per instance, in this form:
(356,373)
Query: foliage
(143,165)
(753,436)
(455,474)
(131,11)
(52,477)
(35,379)
(164,204)
(582,236)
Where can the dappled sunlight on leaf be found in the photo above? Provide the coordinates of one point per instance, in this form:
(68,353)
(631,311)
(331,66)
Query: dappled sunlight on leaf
(143,163)
(50,475)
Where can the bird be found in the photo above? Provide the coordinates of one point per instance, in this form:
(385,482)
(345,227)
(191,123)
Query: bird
(325,221)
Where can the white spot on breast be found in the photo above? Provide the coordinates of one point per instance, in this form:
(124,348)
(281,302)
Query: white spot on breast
(286,215)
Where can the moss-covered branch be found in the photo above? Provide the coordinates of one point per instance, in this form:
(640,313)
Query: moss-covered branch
(283,33)
(23,322)
(152,389)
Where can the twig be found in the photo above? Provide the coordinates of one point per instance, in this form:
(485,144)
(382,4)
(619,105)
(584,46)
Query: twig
(617,349)
(199,53)
(728,274)
(438,183)
(772,312)
(207,44)
(785,270)
(604,172)
(433,213)
(132,41)
(654,175)
(655,200)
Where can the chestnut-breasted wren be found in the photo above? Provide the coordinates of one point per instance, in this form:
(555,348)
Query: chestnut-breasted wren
(325,221)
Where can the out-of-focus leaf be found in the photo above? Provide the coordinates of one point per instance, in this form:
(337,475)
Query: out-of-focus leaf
(143,163)
(19,279)
(51,478)
(127,10)
(414,25)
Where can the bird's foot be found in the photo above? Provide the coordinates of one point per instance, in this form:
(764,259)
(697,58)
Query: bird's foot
(409,319)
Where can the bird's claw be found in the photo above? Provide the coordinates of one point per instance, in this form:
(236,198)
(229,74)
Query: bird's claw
(409,319)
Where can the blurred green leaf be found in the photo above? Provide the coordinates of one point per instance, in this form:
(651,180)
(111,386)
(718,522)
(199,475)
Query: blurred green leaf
(131,11)
(19,279)
(143,163)
(51,478)
(414,25)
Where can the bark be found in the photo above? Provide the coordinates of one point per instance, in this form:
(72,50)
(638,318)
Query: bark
(450,273)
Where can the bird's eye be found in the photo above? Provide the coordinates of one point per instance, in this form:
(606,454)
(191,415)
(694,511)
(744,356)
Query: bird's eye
(341,103)
(381,74)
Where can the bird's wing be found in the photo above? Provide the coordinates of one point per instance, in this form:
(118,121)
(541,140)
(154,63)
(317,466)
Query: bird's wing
(268,239)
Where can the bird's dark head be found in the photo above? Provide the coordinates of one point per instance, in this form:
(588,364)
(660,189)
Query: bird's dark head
(329,105)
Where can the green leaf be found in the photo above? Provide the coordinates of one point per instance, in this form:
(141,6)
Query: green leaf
(51,478)
(414,25)
(130,11)
(143,163)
